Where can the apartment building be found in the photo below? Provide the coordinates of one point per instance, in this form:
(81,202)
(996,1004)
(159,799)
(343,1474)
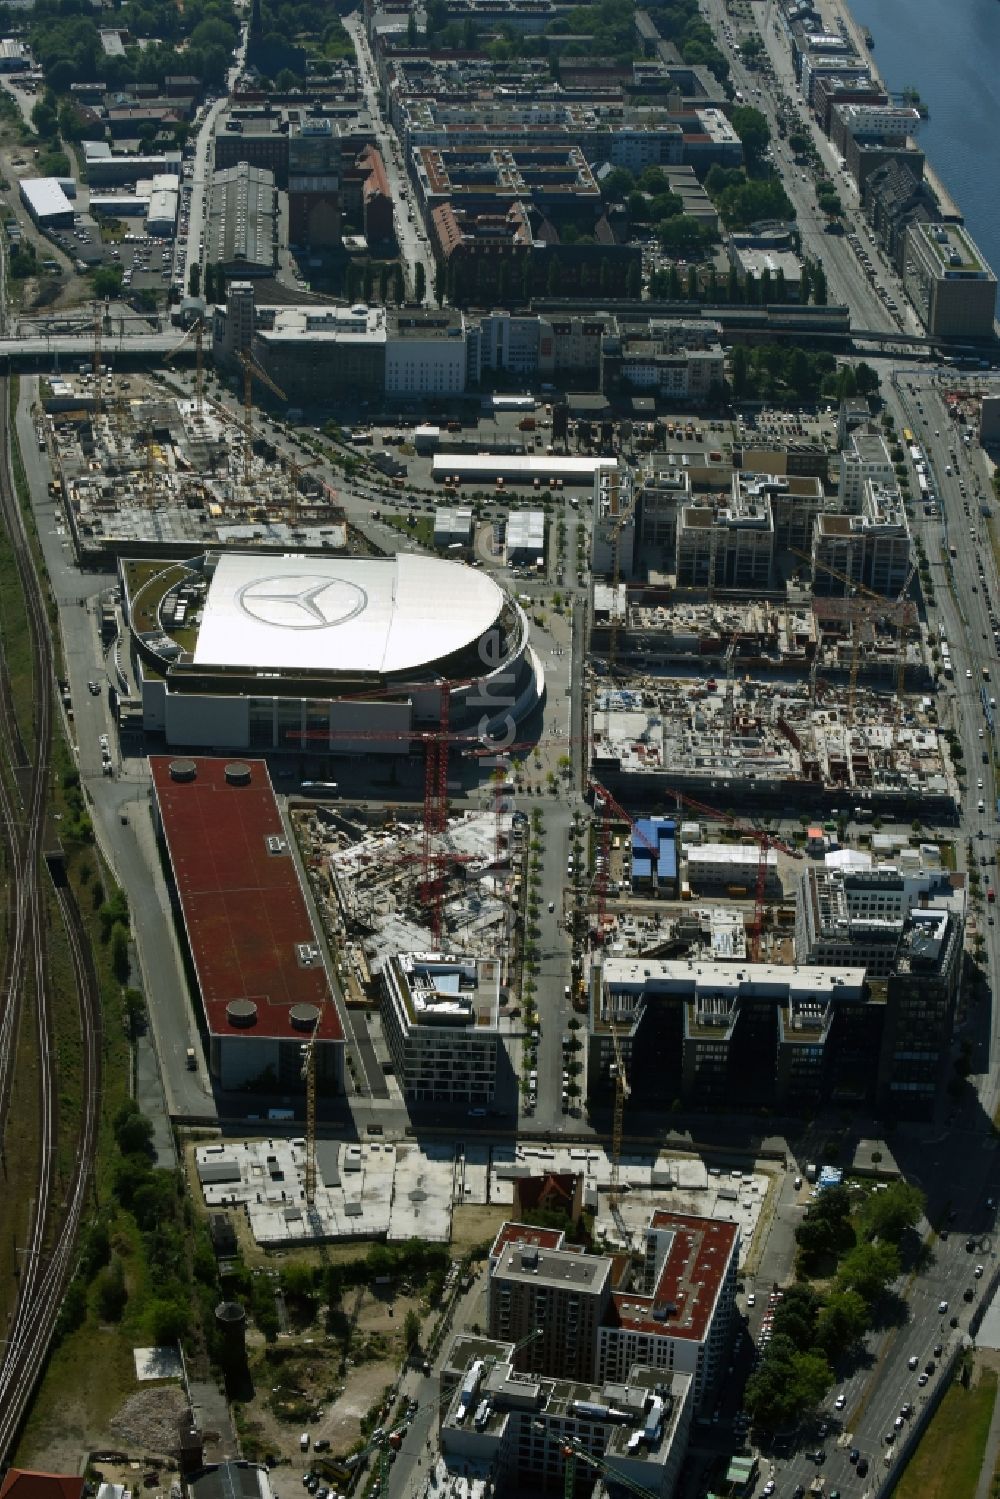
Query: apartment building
(557,1293)
(589,1316)
(440,1016)
(614,522)
(713,865)
(517,1427)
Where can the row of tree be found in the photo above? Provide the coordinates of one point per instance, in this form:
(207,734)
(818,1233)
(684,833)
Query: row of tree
(812,1332)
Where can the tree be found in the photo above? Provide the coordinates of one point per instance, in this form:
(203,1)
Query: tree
(869,1268)
(119,952)
(752,128)
(170,1321)
(889,1214)
(285,81)
(133,1131)
(419,281)
(842,1323)
(44,119)
(818,284)
(411,1330)
(107,281)
(617,185)
(826,1230)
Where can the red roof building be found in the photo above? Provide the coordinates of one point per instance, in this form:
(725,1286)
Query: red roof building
(21,1483)
(262,978)
(676,1312)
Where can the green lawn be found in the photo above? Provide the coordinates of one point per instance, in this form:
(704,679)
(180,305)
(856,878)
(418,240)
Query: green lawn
(948,1460)
(422,530)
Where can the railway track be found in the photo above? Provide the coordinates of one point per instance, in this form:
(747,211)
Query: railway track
(47,1256)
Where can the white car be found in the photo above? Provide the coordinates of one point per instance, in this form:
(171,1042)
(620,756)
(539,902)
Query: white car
(968,672)
(978,1272)
(942,1308)
(840,1402)
(751,1299)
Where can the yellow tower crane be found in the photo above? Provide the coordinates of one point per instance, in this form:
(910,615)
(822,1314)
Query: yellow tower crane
(197,332)
(98,329)
(623,1091)
(870,604)
(252,370)
(309,1074)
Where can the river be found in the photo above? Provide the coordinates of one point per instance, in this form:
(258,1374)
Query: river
(949,51)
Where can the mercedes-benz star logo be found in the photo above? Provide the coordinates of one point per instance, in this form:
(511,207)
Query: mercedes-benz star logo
(301,601)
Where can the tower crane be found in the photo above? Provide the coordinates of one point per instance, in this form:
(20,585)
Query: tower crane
(574,1452)
(623,1091)
(618,525)
(252,370)
(872,604)
(98,328)
(308,1052)
(197,332)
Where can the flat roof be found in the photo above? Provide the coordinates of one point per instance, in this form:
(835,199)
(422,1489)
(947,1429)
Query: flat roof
(526,1234)
(342,615)
(489,465)
(45,197)
(690,1278)
(242,902)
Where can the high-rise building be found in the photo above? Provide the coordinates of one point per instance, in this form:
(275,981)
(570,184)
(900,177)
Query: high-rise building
(586,1316)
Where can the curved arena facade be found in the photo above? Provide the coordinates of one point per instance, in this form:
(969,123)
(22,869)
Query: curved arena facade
(351,656)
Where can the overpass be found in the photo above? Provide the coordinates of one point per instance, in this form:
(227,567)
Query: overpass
(25,352)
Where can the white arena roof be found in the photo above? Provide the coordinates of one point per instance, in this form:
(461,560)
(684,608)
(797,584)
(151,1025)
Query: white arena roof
(379,615)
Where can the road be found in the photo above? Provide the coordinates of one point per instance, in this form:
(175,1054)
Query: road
(414,246)
(846,279)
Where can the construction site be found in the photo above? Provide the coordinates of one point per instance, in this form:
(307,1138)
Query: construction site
(383,895)
(143,468)
(774,744)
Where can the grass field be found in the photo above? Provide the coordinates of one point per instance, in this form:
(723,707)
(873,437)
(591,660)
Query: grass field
(949,1458)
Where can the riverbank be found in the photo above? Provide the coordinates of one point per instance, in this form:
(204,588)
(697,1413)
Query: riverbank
(836,11)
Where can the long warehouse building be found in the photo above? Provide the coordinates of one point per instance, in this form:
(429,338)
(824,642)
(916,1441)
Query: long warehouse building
(263,984)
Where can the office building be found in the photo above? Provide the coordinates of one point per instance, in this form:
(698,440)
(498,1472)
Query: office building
(314,200)
(524,539)
(728,543)
(949,282)
(907,926)
(731,1034)
(866,457)
(425,354)
(872,549)
(679,361)
(440,1018)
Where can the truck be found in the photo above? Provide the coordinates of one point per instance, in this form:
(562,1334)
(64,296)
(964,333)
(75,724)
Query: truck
(190,1060)
(811,1172)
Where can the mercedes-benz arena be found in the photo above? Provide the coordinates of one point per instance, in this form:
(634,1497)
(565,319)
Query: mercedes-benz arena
(339,655)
